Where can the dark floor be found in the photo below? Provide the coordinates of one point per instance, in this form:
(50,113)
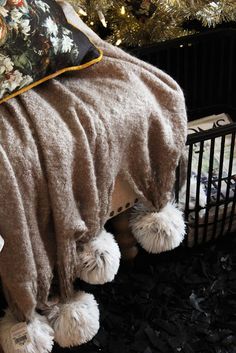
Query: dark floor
(181,301)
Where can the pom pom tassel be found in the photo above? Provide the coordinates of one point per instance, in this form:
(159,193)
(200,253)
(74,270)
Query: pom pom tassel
(158,231)
(99,259)
(75,322)
(39,332)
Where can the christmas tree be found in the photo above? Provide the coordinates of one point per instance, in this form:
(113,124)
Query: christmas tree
(143,22)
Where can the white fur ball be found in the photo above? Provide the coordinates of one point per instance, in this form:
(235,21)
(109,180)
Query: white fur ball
(158,231)
(99,260)
(77,321)
(39,332)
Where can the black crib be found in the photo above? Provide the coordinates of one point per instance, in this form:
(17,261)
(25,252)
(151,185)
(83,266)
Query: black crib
(205,67)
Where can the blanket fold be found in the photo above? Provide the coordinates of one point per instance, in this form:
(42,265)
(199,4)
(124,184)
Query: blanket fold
(63,144)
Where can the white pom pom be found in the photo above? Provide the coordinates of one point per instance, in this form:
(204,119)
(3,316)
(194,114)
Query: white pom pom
(99,260)
(158,231)
(77,321)
(39,332)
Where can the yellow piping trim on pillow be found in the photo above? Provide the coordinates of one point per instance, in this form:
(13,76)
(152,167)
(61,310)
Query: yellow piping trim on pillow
(57,73)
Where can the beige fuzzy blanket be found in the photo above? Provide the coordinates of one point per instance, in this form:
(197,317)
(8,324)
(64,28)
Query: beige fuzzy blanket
(62,146)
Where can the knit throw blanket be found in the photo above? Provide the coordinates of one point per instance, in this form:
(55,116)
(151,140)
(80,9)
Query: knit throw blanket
(62,146)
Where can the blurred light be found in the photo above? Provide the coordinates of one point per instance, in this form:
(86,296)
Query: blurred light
(102,18)
(118,42)
(82,12)
(122,11)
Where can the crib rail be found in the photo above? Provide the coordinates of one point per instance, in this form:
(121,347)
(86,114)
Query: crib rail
(210,195)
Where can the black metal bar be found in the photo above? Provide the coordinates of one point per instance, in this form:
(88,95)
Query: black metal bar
(188,180)
(222,146)
(232,213)
(209,188)
(228,183)
(199,172)
(212,133)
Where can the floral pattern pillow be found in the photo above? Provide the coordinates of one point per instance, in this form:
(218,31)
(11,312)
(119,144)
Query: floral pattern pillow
(37,43)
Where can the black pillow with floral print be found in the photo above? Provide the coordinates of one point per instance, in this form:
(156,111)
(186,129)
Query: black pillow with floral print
(37,43)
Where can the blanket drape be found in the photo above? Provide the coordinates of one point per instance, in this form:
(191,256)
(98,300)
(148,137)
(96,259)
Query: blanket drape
(62,145)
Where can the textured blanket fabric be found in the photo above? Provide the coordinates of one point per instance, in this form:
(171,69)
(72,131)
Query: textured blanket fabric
(62,146)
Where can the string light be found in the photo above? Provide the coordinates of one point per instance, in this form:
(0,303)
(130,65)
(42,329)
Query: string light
(118,42)
(144,22)
(122,11)
(82,12)
(102,18)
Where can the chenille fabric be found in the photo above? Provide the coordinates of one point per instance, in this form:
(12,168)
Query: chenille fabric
(63,144)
